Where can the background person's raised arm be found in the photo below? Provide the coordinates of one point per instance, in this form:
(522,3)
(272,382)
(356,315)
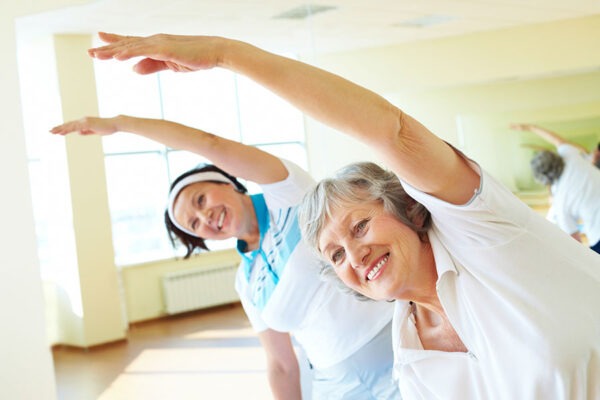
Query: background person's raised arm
(549,136)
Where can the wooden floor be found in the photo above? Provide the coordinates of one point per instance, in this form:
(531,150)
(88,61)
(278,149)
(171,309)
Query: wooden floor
(211,354)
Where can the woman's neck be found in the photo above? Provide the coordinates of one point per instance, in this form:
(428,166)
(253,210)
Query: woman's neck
(424,292)
(250,233)
(251,243)
(433,326)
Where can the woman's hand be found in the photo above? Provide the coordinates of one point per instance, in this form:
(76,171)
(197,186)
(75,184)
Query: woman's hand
(87,126)
(549,136)
(522,127)
(162,52)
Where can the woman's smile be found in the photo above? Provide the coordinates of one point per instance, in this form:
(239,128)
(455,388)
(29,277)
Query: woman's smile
(372,251)
(376,270)
(221,219)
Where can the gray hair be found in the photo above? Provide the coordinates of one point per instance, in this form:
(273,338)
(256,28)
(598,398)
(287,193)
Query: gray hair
(596,156)
(358,183)
(547,167)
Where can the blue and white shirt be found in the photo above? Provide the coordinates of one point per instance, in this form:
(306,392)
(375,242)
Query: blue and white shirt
(280,287)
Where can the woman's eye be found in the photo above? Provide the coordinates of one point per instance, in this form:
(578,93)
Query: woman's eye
(194,225)
(361,226)
(337,256)
(200,200)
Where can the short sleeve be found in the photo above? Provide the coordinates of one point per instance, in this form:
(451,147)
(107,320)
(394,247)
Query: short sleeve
(290,191)
(566,150)
(493,216)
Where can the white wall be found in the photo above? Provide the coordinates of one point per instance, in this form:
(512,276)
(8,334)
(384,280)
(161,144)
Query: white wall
(26,370)
(143,283)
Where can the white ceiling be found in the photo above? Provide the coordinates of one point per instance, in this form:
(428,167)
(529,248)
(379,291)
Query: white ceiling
(351,24)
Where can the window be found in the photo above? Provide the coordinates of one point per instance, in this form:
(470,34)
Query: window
(138,171)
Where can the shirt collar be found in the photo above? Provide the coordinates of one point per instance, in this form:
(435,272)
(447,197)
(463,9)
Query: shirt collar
(444,263)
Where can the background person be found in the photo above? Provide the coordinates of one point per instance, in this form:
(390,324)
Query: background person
(278,279)
(574,183)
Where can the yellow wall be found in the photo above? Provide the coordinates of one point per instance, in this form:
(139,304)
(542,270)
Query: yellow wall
(563,47)
(539,73)
(476,118)
(98,278)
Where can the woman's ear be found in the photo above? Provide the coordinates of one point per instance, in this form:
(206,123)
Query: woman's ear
(414,214)
(420,218)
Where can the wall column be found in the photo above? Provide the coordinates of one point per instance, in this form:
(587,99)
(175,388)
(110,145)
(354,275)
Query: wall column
(102,307)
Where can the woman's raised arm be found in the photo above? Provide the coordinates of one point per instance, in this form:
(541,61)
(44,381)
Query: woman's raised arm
(238,159)
(406,146)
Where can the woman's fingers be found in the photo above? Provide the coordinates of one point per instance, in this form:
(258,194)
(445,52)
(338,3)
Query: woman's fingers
(160,52)
(85,126)
(119,47)
(62,129)
(149,66)
(110,37)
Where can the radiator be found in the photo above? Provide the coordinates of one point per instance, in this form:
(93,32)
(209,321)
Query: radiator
(197,288)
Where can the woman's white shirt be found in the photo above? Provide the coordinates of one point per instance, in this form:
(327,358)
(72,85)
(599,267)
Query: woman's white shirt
(523,296)
(576,195)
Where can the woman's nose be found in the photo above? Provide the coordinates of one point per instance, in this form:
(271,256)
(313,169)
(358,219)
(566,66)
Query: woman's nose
(205,216)
(358,256)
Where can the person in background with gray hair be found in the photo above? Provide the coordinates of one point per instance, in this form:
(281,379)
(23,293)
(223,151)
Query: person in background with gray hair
(595,156)
(574,184)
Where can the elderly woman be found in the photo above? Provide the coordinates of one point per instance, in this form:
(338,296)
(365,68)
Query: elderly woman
(574,184)
(493,301)
(477,316)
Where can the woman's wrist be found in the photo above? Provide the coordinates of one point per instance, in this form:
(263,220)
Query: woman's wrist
(232,54)
(224,51)
(125,123)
